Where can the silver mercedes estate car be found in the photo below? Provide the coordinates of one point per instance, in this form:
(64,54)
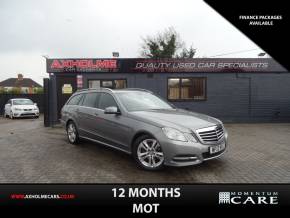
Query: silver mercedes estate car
(140,123)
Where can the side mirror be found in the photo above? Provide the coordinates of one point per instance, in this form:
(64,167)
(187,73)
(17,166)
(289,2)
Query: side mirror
(112,110)
(8,104)
(35,104)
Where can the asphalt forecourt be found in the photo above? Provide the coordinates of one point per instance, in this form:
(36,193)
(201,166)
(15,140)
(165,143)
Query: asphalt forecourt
(31,153)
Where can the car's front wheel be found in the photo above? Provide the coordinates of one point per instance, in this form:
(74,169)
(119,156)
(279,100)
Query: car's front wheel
(11,115)
(72,133)
(148,153)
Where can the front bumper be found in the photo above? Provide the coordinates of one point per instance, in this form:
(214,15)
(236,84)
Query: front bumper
(26,114)
(179,153)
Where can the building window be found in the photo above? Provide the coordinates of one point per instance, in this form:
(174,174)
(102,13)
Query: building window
(94,84)
(120,84)
(112,84)
(107,84)
(187,88)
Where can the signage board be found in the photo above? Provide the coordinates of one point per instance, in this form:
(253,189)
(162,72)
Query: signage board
(143,65)
(67,89)
(79,81)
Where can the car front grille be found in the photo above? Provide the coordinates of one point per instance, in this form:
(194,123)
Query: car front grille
(27,114)
(210,135)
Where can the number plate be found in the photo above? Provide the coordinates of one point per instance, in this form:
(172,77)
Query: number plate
(217,148)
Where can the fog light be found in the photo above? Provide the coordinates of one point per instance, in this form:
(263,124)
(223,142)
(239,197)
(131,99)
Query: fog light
(185,158)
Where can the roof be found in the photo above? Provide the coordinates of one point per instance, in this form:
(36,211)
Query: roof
(14,82)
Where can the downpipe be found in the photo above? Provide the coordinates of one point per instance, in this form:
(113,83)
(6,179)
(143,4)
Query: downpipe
(238,76)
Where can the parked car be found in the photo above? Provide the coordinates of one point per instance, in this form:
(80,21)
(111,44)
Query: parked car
(21,107)
(142,124)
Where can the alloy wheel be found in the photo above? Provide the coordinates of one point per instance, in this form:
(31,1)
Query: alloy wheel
(71,132)
(149,153)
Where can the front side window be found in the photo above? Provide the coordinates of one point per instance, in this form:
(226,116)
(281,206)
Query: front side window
(91,99)
(140,101)
(107,100)
(187,88)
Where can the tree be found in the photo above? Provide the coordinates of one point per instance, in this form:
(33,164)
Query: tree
(15,90)
(166,45)
(38,90)
(187,53)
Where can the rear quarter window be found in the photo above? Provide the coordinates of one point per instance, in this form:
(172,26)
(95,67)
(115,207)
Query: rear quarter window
(75,100)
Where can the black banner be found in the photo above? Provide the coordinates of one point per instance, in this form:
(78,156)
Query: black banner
(147,198)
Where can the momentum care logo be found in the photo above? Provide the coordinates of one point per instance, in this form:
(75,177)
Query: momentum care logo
(248,198)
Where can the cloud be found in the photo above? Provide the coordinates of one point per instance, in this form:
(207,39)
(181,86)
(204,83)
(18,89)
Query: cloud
(90,28)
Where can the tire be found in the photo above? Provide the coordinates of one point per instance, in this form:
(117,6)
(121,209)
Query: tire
(11,115)
(148,153)
(72,133)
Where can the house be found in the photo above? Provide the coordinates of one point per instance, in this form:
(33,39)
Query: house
(20,85)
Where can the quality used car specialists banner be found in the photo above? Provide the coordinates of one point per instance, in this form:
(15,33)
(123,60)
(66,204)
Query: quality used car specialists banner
(163,65)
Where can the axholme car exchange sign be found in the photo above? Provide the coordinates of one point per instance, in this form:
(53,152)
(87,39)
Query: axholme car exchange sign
(157,65)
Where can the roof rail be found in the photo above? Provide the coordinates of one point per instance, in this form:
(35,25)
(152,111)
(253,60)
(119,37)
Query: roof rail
(97,89)
(138,89)
(111,90)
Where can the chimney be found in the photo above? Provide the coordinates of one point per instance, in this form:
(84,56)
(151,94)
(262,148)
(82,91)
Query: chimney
(20,76)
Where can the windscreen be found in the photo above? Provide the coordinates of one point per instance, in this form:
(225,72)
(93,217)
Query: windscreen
(22,102)
(139,101)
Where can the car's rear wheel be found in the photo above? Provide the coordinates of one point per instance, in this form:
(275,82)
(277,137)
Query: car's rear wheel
(72,133)
(148,153)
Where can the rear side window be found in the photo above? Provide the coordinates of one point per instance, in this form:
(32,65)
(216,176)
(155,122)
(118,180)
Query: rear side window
(107,100)
(91,99)
(75,100)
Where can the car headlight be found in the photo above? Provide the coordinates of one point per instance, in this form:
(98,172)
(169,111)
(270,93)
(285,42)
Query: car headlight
(174,134)
(17,109)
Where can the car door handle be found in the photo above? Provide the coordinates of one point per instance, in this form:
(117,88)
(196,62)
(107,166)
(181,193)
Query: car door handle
(96,114)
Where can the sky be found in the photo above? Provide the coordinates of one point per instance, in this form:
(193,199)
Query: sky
(31,29)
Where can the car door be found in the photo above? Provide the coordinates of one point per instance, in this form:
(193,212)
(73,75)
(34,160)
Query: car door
(70,109)
(88,115)
(112,127)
